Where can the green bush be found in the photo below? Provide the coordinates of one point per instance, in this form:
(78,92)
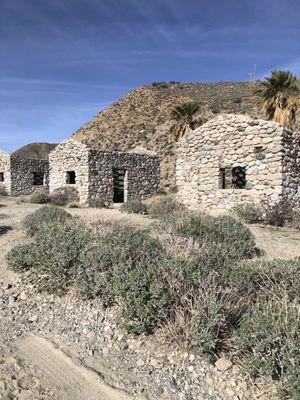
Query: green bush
(126,266)
(97,203)
(39,198)
(94,273)
(4,229)
(43,216)
(295,219)
(3,191)
(57,248)
(163,206)
(64,196)
(211,325)
(277,214)
(249,213)
(269,340)
(226,232)
(20,258)
(134,207)
(267,279)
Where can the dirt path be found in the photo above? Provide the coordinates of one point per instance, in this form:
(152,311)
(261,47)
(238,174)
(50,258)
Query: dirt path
(69,380)
(277,242)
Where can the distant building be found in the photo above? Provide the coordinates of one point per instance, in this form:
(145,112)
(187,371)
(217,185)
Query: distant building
(234,159)
(113,176)
(22,176)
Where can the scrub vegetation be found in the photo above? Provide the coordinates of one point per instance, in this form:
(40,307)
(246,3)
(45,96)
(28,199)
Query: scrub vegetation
(195,277)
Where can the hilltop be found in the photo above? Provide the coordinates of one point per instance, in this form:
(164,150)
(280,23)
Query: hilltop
(142,118)
(36,151)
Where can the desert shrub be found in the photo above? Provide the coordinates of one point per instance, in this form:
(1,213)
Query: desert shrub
(3,191)
(269,340)
(277,214)
(162,85)
(137,261)
(265,280)
(44,215)
(56,249)
(163,206)
(63,196)
(215,109)
(73,205)
(295,219)
(39,198)
(249,213)
(97,203)
(134,207)
(93,274)
(126,266)
(20,258)
(4,229)
(226,233)
(211,324)
(237,100)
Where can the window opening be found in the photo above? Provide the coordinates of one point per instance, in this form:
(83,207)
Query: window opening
(71,177)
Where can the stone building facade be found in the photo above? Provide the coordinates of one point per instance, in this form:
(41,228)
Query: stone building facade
(235,159)
(22,176)
(114,177)
(4,172)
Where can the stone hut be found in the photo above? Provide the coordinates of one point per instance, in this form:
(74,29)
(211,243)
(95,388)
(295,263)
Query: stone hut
(233,159)
(112,176)
(22,176)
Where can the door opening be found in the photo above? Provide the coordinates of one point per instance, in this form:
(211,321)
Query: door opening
(119,175)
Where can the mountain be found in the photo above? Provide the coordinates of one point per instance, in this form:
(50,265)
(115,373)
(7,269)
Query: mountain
(35,151)
(142,118)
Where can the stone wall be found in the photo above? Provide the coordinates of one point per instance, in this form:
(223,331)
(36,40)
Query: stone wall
(5,169)
(291,167)
(141,179)
(94,171)
(70,156)
(263,148)
(22,175)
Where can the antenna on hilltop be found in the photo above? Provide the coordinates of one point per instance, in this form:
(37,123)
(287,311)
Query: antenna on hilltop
(252,74)
(252,78)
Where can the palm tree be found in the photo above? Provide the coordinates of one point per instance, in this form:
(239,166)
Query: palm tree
(278,97)
(183,114)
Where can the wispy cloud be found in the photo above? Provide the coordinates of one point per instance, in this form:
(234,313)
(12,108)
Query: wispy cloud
(57,83)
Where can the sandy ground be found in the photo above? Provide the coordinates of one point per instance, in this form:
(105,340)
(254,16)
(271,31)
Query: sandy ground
(49,373)
(32,368)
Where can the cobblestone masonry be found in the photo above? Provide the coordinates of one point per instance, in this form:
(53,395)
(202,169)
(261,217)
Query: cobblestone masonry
(5,171)
(207,157)
(94,171)
(19,174)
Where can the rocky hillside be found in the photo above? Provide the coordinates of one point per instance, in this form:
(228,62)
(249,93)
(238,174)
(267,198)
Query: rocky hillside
(142,118)
(36,151)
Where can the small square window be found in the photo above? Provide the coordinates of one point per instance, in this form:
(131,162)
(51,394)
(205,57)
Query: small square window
(38,179)
(239,177)
(71,178)
(1,176)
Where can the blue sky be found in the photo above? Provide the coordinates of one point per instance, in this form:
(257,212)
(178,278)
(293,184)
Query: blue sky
(62,61)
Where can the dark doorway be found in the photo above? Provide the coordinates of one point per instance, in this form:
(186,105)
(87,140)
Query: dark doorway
(119,185)
(1,176)
(38,179)
(71,178)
